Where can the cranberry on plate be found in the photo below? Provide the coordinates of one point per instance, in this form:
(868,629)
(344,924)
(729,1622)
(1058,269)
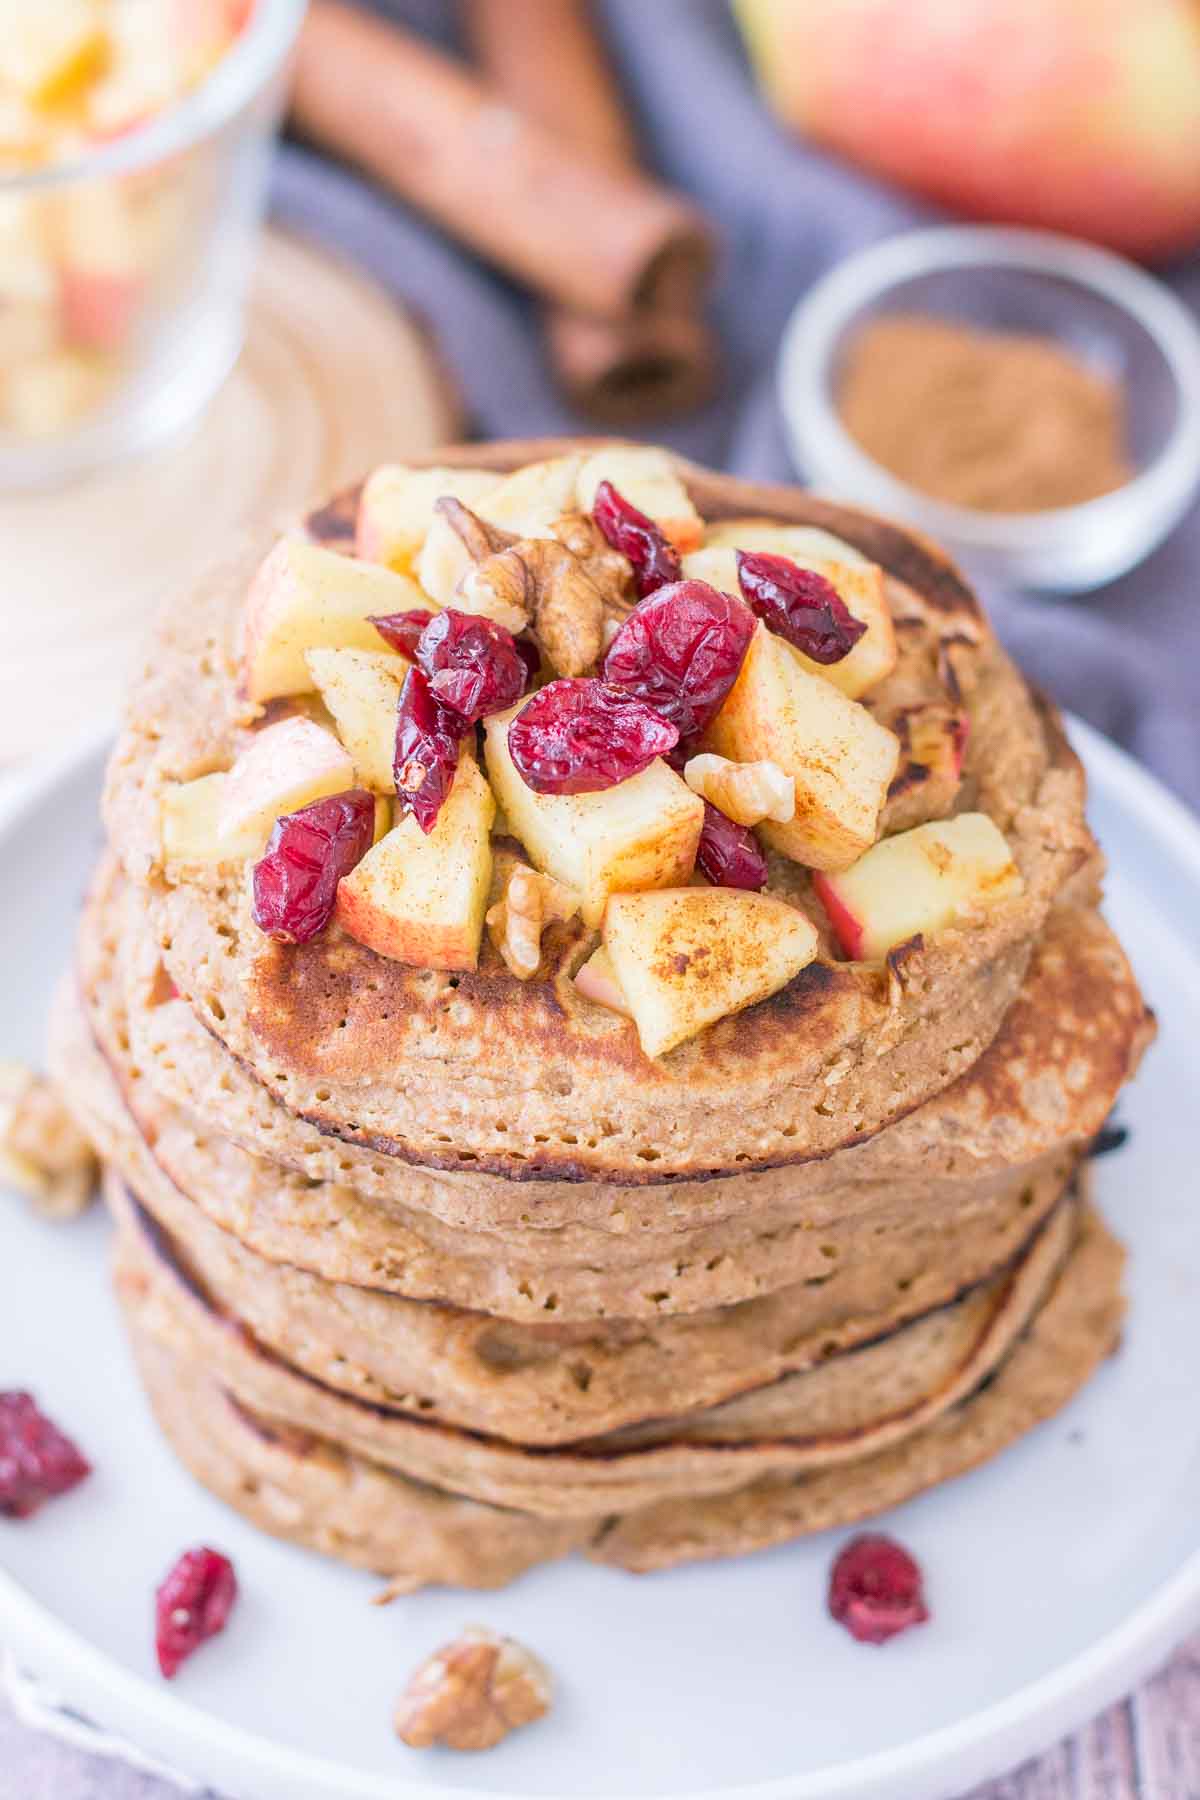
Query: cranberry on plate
(192,1605)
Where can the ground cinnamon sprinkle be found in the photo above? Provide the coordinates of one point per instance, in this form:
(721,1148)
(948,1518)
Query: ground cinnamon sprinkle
(1000,421)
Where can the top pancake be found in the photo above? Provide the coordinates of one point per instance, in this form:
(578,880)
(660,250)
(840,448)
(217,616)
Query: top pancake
(528,1081)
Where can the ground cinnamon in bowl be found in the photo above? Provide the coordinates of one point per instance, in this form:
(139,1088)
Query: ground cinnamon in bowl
(997,421)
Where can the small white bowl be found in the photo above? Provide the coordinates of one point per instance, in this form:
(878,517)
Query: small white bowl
(1103,308)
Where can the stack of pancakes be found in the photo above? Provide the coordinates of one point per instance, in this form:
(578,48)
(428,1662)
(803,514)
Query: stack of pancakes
(441,1275)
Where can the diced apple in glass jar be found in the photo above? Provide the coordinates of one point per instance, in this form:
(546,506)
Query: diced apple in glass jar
(839,757)
(685,957)
(361,689)
(284,767)
(102,269)
(395,509)
(919,881)
(419,897)
(646,478)
(48,53)
(308,598)
(642,833)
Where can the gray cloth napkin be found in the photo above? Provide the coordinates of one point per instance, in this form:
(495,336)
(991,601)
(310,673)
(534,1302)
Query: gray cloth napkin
(1125,657)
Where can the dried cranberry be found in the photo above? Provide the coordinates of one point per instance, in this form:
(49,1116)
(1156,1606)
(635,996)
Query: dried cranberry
(530,655)
(473,664)
(875,1589)
(728,853)
(402,630)
(192,1605)
(680,651)
(799,604)
(578,736)
(296,882)
(428,735)
(654,557)
(37,1463)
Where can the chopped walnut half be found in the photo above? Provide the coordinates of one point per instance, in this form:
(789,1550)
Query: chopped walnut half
(531,902)
(470,1694)
(42,1152)
(541,583)
(747,792)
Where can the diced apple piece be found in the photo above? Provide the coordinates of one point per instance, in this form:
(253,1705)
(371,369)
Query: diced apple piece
(643,833)
(597,981)
(686,957)
(918,881)
(395,510)
(645,477)
(361,688)
(530,500)
(806,544)
(102,272)
(421,899)
(308,598)
(43,397)
(859,583)
(840,758)
(49,52)
(191,825)
(283,768)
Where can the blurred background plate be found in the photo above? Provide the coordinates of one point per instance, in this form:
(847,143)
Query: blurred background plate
(1058,1575)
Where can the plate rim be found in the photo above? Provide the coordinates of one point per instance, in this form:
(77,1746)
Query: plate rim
(975,1747)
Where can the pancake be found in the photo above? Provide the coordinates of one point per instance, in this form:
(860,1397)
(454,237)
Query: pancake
(1075,1033)
(543,1383)
(479,1071)
(855,1403)
(295,1486)
(900,1247)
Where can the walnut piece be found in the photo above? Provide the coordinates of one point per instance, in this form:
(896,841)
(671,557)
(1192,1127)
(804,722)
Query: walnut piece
(470,1694)
(531,902)
(43,1154)
(747,792)
(540,582)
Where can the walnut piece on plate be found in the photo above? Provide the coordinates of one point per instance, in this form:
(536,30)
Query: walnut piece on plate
(471,1693)
(43,1154)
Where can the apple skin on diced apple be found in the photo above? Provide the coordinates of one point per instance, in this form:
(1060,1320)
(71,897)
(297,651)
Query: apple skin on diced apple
(102,266)
(642,833)
(284,767)
(307,598)
(645,477)
(361,689)
(596,980)
(685,957)
(919,881)
(420,898)
(859,584)
(395,509)
(191,825)
(840,758)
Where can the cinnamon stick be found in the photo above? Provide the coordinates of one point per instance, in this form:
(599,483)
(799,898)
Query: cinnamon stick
(546,57)
(595,237)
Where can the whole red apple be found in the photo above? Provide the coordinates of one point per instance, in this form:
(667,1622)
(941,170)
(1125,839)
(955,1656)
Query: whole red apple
(1078,115)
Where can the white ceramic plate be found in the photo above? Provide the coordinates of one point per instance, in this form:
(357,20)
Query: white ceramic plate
(1058,1576)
